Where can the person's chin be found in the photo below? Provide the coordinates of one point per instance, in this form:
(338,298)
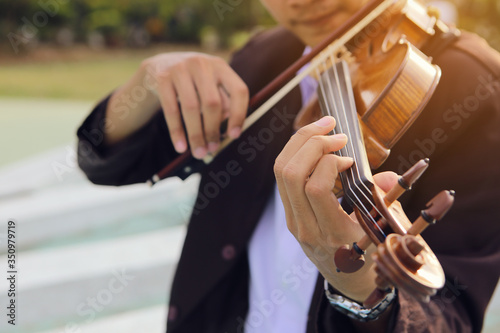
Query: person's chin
(314,34)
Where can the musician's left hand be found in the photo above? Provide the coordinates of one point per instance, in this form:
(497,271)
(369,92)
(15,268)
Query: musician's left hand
(305,172)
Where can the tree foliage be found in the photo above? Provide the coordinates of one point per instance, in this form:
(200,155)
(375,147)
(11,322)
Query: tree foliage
(124,22)
(140,22)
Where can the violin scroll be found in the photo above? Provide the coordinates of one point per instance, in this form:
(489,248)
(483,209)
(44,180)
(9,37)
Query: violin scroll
(407,262)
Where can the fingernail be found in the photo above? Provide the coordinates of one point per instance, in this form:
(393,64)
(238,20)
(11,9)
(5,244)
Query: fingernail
(235,132)
(180,146)
(199,152)
(213,146)
(323,122)
(339,136)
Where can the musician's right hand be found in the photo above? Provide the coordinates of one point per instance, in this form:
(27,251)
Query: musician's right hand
(196,93)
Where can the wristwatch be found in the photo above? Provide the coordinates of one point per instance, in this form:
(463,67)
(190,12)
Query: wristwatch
(357,311)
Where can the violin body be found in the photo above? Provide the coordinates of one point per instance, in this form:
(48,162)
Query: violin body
(391,91)
(392,80)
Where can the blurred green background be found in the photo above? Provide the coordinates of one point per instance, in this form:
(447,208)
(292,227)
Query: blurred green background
(139,23)
(131,23)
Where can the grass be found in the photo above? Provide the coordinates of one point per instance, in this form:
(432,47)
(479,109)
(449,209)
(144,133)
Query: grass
(65,80)
(77,73)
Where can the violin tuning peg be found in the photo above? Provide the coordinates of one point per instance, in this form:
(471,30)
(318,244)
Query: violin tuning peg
(440,204)
(349,260)
(435,210)
(406,181)
(413,174)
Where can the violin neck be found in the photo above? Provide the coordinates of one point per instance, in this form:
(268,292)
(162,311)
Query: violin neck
(336,99)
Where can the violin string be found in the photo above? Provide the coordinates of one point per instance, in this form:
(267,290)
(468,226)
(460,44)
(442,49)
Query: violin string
(350,147)
(354,190)
(347,84)
(350,143)
(354,153)
(340,128)
(341,121)
(347,95)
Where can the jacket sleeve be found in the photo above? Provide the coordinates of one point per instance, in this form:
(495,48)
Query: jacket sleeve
(133,160)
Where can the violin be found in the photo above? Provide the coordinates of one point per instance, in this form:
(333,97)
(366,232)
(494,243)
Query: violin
(375,80)
(375,88)
(402,259)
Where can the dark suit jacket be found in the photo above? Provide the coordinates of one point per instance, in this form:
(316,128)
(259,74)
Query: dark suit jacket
(459,130)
